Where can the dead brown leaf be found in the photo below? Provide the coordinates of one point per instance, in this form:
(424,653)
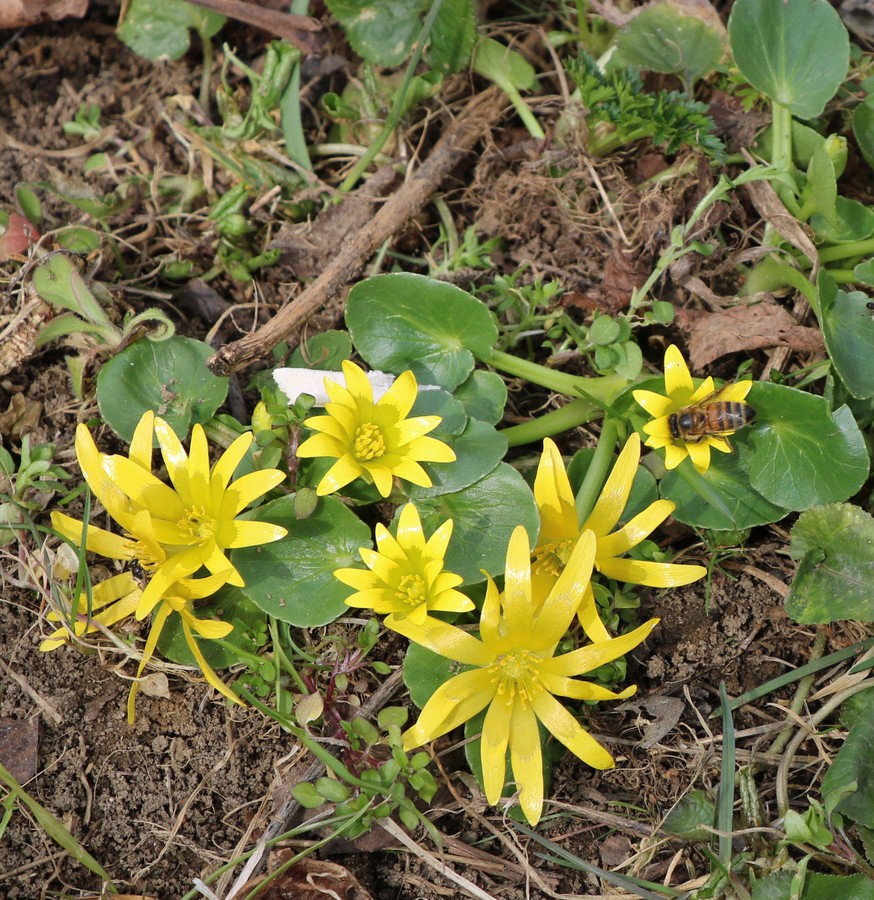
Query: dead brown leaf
(772,210)
(20,13)
(748,328)
(309,879)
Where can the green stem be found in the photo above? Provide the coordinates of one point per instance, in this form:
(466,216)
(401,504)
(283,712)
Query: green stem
(843,276)
(528,118)
(400,99)
(602,389)
(847,251)
(208,59)
(781,159)
(781,137)
(577,412)
(801,694)
(449,225)
(596,474)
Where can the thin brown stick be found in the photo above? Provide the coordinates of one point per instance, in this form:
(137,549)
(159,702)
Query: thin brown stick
(303,32)
(456,142)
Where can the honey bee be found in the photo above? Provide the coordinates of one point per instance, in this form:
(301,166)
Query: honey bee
(710,417)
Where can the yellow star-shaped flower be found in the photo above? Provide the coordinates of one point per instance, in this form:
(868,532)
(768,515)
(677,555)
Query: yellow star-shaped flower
(560,530)
(516,675)
(404,575)
(373,441)
(196,519)
(680,395)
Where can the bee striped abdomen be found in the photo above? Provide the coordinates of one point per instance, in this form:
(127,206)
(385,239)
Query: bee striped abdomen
(697,422)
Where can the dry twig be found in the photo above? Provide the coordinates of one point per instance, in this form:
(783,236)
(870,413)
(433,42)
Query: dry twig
(478,116)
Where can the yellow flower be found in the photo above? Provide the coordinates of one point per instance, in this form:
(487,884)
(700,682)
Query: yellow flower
(406,577)
(559,531)
(680,392)
(517,676)
(117,597)
(373,441)
(195,520)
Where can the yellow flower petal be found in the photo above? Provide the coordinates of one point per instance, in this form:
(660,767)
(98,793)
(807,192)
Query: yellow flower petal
(517,584)
(640,527)
(141,443)
(655,404)
(445,640)
(554,497)
(675,454)
(148,651)
(205,667)
(614,495)
(452,704)
(704,390)
(345,470)
(719,443)
(652,574)
(493,747)
(590,657)
(556,613)
(526,760)
(563,726)
(677,377)
(700,456)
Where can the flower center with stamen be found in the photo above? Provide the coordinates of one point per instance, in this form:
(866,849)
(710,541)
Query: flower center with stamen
(518,673)
(198,523)
(141,558)
(411,590)
(368,442)
(551,558)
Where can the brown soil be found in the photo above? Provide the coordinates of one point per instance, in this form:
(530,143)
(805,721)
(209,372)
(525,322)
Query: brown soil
(195,782)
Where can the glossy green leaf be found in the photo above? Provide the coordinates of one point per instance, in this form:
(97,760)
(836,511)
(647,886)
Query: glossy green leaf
(779,886)
(864,272)
(425,671)
(380,31)
(436,402)
(799,454)
(822,187)
(835,577)
(478,450)
(853,221)
(504,66)
(689,814)
(325,350)
(663,39)
(484,395)
(452,36)
(863,129)
(403,321)
(721,499)
(293,579)
(169,377)
(848,786)
(78,239)
(797,52)
(485,515)
(848,330)
(228,605)
(29,203)
(159,29)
